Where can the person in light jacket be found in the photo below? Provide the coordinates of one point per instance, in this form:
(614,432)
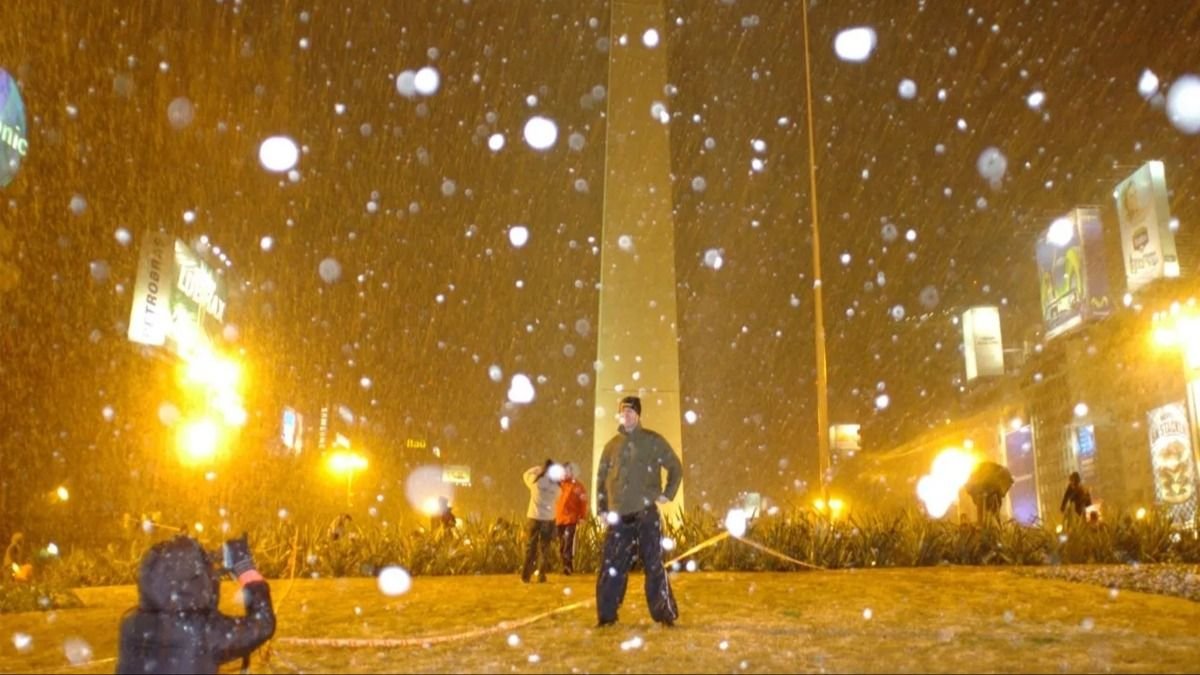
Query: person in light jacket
(539,524)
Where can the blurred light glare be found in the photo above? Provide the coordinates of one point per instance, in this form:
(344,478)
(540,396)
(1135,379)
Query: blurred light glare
(198,441)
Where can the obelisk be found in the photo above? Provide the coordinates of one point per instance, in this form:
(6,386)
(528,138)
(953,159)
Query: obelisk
(637,343)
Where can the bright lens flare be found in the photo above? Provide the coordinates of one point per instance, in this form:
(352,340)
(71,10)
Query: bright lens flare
(344,462)
(198,441)
(939,488)
(62,493)
(431,507)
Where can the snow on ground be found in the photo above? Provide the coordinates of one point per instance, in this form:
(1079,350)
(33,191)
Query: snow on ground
(945,619)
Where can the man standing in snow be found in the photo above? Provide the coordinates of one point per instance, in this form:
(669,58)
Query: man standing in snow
(628,489)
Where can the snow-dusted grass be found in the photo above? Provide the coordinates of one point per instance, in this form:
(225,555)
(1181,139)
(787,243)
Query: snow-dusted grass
(942,619)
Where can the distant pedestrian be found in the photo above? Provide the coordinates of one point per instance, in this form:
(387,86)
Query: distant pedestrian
(571,507)
(1077,496)
(16,563)
(539,525)
(176,627)
(629,488)
(444,519)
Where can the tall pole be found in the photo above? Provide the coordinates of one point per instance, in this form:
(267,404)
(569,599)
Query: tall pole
(818,305)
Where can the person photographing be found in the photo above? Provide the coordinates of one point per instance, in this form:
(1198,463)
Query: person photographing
(176,627)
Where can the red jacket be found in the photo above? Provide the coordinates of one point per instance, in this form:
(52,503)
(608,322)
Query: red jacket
(572,504)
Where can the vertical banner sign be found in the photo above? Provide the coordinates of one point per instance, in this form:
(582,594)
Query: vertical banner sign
(1071,272)
(1173,463)
(14,135)
(1146,238)
(983,348)
(1018,448)
(150,318)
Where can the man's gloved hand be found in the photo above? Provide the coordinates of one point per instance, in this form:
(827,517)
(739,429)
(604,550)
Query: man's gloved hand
(237,555)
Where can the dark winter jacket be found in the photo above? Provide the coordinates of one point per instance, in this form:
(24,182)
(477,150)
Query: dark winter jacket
(176,627)
(1078,496)
(629,478)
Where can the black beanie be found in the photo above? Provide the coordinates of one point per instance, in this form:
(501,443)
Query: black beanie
(633,402)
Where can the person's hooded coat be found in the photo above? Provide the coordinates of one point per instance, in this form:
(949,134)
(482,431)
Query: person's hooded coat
(176,627)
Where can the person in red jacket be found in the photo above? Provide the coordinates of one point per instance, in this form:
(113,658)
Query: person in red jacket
(571,507)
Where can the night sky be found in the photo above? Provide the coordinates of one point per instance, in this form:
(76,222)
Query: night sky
(405,194)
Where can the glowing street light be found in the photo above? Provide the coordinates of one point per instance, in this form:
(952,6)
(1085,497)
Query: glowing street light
(346,462)
(198,440)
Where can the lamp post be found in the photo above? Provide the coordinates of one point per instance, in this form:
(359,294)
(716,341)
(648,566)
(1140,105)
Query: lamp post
(347,462)
(818,303)
(1179,328)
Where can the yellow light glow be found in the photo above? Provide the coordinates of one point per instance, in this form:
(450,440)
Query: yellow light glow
(62,493)
(939,488)
(1058,529)
(199,527)
(819,504)
(836,505)
(1140,514)
(431,507)
(198,441)
(344,462)
(215,371)
(52,548)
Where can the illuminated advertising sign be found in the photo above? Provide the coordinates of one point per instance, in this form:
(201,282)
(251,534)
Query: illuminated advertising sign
(14,135)
(150,320)
(845,437)
(1146,238)
(456,474)
(178,301)
(292,429)
(1072,282)
(1085,453)
(1172,462)
(1018,449)
(982,344)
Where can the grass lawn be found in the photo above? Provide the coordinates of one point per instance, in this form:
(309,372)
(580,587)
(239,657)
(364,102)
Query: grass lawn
(926,619)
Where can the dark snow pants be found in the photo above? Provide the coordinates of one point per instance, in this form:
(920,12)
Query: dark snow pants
(566,546)
(540,533)
(643,531)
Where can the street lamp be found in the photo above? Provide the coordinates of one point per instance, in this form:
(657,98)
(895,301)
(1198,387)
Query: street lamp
(347,462)
(818,303)
(1179,328)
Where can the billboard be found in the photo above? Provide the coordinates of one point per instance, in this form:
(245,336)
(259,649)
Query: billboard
(1147,242)
(1172,462)
(178,301)
(456,474)
(14,134)
(1085,453)
(983,347)
(1018,450)
(292,430)
(1071,272)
